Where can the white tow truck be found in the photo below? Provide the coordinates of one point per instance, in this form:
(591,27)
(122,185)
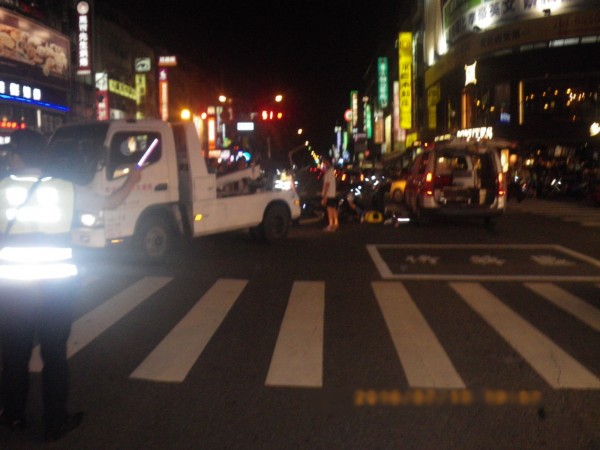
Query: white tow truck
(177,196)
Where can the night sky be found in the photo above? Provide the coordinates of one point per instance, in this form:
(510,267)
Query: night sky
(314,52)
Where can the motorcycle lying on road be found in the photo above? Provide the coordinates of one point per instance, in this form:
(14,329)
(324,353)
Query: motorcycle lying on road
(350,206)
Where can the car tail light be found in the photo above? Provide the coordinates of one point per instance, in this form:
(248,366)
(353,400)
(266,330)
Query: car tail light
(428,186)
(501,189)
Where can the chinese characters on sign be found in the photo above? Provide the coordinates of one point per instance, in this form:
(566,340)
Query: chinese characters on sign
(405,69)
(84,60)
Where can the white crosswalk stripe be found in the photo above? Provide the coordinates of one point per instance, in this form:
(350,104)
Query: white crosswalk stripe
(297,357)
(423,357)
(553,364)
(173,358)
(569,302)
(90,326)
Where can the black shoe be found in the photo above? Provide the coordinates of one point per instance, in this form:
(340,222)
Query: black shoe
(54,433)
(11,422)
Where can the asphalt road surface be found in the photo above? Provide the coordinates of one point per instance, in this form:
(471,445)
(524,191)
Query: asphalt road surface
(445,335)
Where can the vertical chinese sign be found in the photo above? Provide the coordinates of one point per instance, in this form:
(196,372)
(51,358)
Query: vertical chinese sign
(163,84)
(382,85)
(84,47)
(163,93)
(405,75)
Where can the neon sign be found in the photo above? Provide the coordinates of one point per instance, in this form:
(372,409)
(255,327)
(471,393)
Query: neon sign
(84,53)
(17,92)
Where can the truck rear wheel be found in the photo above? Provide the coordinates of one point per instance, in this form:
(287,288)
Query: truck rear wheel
(154,239)
(275,224)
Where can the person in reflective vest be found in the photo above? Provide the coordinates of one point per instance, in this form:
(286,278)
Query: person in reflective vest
(38,282)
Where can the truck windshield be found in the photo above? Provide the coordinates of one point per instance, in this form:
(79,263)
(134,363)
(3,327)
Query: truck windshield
(75,152)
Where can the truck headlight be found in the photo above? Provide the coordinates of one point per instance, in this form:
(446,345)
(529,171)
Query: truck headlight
(89,220)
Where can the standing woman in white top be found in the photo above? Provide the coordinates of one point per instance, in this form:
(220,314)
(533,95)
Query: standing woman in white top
(329,195)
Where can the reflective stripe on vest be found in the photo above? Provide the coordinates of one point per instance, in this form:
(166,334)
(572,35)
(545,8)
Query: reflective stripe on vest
(37,244)
(48,210)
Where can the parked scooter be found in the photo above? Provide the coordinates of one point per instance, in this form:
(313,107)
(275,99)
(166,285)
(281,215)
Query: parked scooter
(517,188)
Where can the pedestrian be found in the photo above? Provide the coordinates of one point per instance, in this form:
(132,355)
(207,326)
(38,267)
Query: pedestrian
(38,281)
(329,195)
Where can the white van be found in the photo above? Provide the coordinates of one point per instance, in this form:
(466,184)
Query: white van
(457,179)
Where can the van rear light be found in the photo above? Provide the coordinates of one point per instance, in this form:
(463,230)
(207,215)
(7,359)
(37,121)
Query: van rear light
(428,187)
(501,189)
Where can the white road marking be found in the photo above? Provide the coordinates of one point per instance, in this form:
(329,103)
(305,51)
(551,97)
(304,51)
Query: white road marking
(413,274)
(568,302)
(93,324)
(174,357)
(423,358)
(552,363)
(298,356)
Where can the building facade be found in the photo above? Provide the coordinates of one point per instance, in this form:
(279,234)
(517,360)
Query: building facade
(35,67)
(522,71)
(525,71)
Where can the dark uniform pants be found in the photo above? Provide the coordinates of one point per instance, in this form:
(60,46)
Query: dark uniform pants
(43,310)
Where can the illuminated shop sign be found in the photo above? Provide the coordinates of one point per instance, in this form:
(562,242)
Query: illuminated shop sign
(368,121)
(405,74)
(382,77)
(140,87)
(348,115)
(84,48)
(476,133)
(34,52)
(433,98)
(470,75)
(143,65)
(399,133)
(122,89)
(212,133)
(379,134)
(102,107)
(463,16)
(245,126)
(24,93)
(354,107)
(163,93)
(167,61)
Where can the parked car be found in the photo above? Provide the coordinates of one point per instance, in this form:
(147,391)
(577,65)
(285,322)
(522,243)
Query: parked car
(457,179)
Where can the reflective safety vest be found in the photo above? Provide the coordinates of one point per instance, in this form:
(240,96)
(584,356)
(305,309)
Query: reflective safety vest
(36,214)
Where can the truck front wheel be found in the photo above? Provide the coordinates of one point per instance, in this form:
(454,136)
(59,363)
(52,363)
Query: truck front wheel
(154,239)
(275,224)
